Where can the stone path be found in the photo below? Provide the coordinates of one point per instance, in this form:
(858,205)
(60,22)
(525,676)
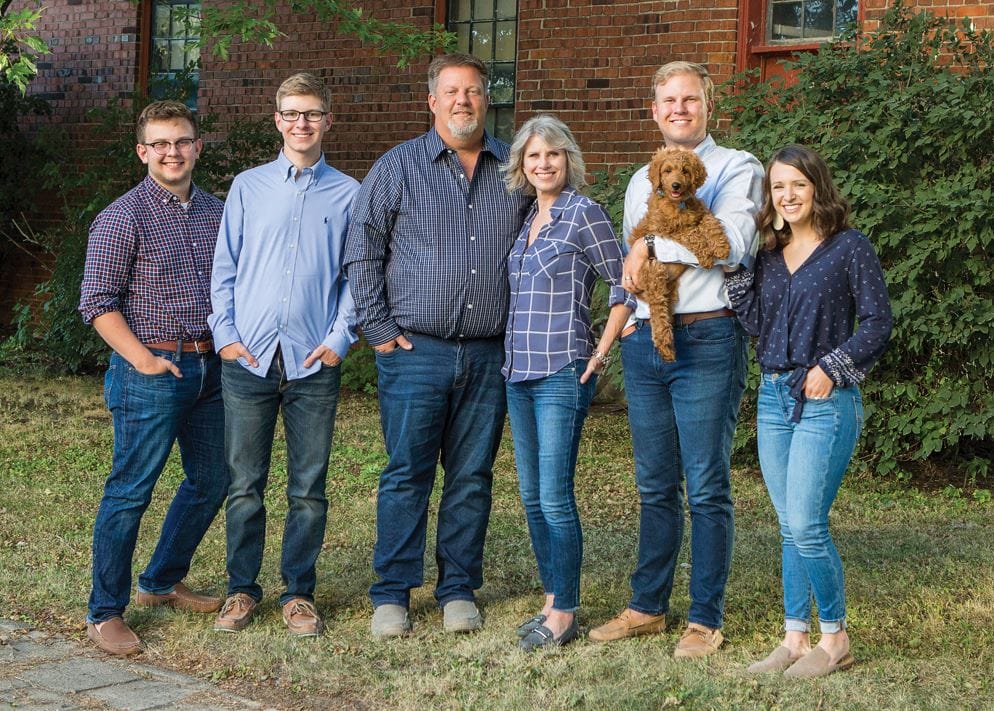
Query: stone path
(42,671)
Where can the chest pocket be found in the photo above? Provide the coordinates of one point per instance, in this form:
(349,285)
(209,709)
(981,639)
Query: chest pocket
(548,258)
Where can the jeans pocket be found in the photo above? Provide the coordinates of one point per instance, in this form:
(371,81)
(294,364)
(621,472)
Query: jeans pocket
(711,330)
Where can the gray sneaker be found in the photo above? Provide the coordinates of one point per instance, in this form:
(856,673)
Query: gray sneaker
(461,616)
(390,621)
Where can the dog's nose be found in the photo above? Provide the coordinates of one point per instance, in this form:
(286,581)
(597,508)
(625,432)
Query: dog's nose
(676,186)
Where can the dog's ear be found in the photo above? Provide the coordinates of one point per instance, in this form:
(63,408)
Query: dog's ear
(656,169)
(698,173)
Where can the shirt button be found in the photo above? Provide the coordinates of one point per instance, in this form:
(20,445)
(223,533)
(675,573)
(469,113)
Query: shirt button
(199,273)
(471,206)
(288,272)
(472,238)
(295,219)
(472,271)
(469,306)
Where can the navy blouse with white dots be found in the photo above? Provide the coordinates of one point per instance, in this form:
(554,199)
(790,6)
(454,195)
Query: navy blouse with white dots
(809,317)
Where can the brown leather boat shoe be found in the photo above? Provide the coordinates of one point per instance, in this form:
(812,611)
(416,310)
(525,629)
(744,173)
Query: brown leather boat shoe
(114,637)
(302,618)
(625,625)
(182,598)
(236,613)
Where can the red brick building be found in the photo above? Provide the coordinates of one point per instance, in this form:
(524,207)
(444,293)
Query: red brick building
(588,61)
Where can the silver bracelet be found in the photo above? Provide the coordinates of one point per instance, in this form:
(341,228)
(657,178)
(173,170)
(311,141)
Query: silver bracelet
(602,358)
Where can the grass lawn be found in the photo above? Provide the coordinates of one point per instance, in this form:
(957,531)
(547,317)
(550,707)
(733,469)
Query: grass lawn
(920,570)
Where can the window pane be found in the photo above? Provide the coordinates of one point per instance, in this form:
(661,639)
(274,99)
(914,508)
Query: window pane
(845,15)
(462,37)
(504,123)
(176,54)
(160,25)
(483,40)
(786,22)
(459,10)
(502,84)
(483,10)
(818,20)
(507,8)
(504,47)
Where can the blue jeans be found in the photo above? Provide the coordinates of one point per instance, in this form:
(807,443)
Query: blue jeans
(682,417)
(547,417)
(251,404)
(150,412)
(442,400)
(803,464)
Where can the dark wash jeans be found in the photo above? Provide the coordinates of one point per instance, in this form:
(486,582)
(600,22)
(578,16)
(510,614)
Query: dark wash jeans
(547,416)
(443,400)
(682,417)
(150,412)
(251,404)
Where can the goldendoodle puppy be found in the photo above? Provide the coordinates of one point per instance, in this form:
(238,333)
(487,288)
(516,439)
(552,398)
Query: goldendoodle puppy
(675,213)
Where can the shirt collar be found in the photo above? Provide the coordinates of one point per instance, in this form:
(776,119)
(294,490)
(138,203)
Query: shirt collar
(166,197)
(287,168)
(564,199)
(436,146)
(705,146)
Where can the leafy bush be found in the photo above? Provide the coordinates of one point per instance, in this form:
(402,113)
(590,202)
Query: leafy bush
(903,116)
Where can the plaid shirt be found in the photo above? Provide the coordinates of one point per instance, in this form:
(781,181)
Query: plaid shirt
(150,258)
(548,326)
(427,248)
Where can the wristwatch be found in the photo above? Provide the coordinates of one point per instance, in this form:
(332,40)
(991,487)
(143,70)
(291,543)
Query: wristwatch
(650,246)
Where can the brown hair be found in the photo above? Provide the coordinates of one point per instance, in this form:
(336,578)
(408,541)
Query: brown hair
(164,111)
(830,211)
(456,59)
(304,84)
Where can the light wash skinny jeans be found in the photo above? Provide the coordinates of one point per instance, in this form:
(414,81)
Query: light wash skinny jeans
(803,464)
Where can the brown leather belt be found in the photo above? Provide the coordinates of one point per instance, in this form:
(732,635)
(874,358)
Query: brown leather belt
(205,346)
(687,319)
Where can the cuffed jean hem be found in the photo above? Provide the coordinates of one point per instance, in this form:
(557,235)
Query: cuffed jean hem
(831,626)
(797,625)
(645,611)
(710,624)
(161,590)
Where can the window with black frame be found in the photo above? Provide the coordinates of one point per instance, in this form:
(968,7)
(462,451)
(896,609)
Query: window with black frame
(174,64)
(488,29)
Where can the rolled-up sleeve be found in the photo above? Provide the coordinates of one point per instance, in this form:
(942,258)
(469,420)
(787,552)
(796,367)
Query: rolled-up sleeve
(110,256)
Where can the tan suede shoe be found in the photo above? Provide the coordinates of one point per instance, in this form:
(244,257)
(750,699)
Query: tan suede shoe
(698,641)
(302,618)
(114,636)
(624,625)
(236,613)
(182,598)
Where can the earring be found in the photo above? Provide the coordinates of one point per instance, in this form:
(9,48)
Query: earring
(777,221)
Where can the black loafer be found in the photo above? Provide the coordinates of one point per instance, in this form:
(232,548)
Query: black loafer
(542,636)
(528,625)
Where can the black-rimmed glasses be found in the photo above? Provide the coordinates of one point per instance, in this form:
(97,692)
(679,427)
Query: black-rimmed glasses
(292,115)
(161,148)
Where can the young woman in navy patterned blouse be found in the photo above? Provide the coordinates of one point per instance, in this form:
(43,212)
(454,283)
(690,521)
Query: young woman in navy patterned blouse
(565,244)
(814,279)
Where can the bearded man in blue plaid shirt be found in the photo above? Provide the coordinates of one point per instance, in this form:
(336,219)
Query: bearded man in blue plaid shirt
(426,260)
(146,291)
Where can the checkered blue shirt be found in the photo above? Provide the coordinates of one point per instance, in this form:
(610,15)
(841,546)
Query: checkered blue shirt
(427,248)
(548,324)
(150,259)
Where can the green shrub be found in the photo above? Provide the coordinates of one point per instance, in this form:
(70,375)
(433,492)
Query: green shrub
(903,116)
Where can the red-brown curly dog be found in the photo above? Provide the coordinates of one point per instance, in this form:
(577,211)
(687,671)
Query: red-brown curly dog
(675,213)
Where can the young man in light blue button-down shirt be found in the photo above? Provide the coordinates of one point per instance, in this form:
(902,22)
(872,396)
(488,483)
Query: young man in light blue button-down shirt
(283,320)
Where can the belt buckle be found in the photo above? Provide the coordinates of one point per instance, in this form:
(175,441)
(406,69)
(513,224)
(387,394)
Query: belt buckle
(196,347)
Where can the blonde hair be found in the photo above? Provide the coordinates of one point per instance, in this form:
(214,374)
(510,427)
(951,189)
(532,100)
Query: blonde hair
(555,133)
(304,84)
(666,71)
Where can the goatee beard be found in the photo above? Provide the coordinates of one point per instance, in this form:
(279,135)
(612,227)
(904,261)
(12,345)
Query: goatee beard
(463,130)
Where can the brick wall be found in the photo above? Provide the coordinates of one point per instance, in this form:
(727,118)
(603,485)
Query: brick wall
(589,61)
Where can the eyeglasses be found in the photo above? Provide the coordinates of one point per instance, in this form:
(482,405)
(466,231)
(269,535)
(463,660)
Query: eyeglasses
(183,145)
(292,115)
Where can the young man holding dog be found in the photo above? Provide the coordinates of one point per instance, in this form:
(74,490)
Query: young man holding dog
(146,290)
(683,414)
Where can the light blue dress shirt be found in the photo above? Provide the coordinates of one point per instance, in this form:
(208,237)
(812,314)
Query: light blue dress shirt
(277,278)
